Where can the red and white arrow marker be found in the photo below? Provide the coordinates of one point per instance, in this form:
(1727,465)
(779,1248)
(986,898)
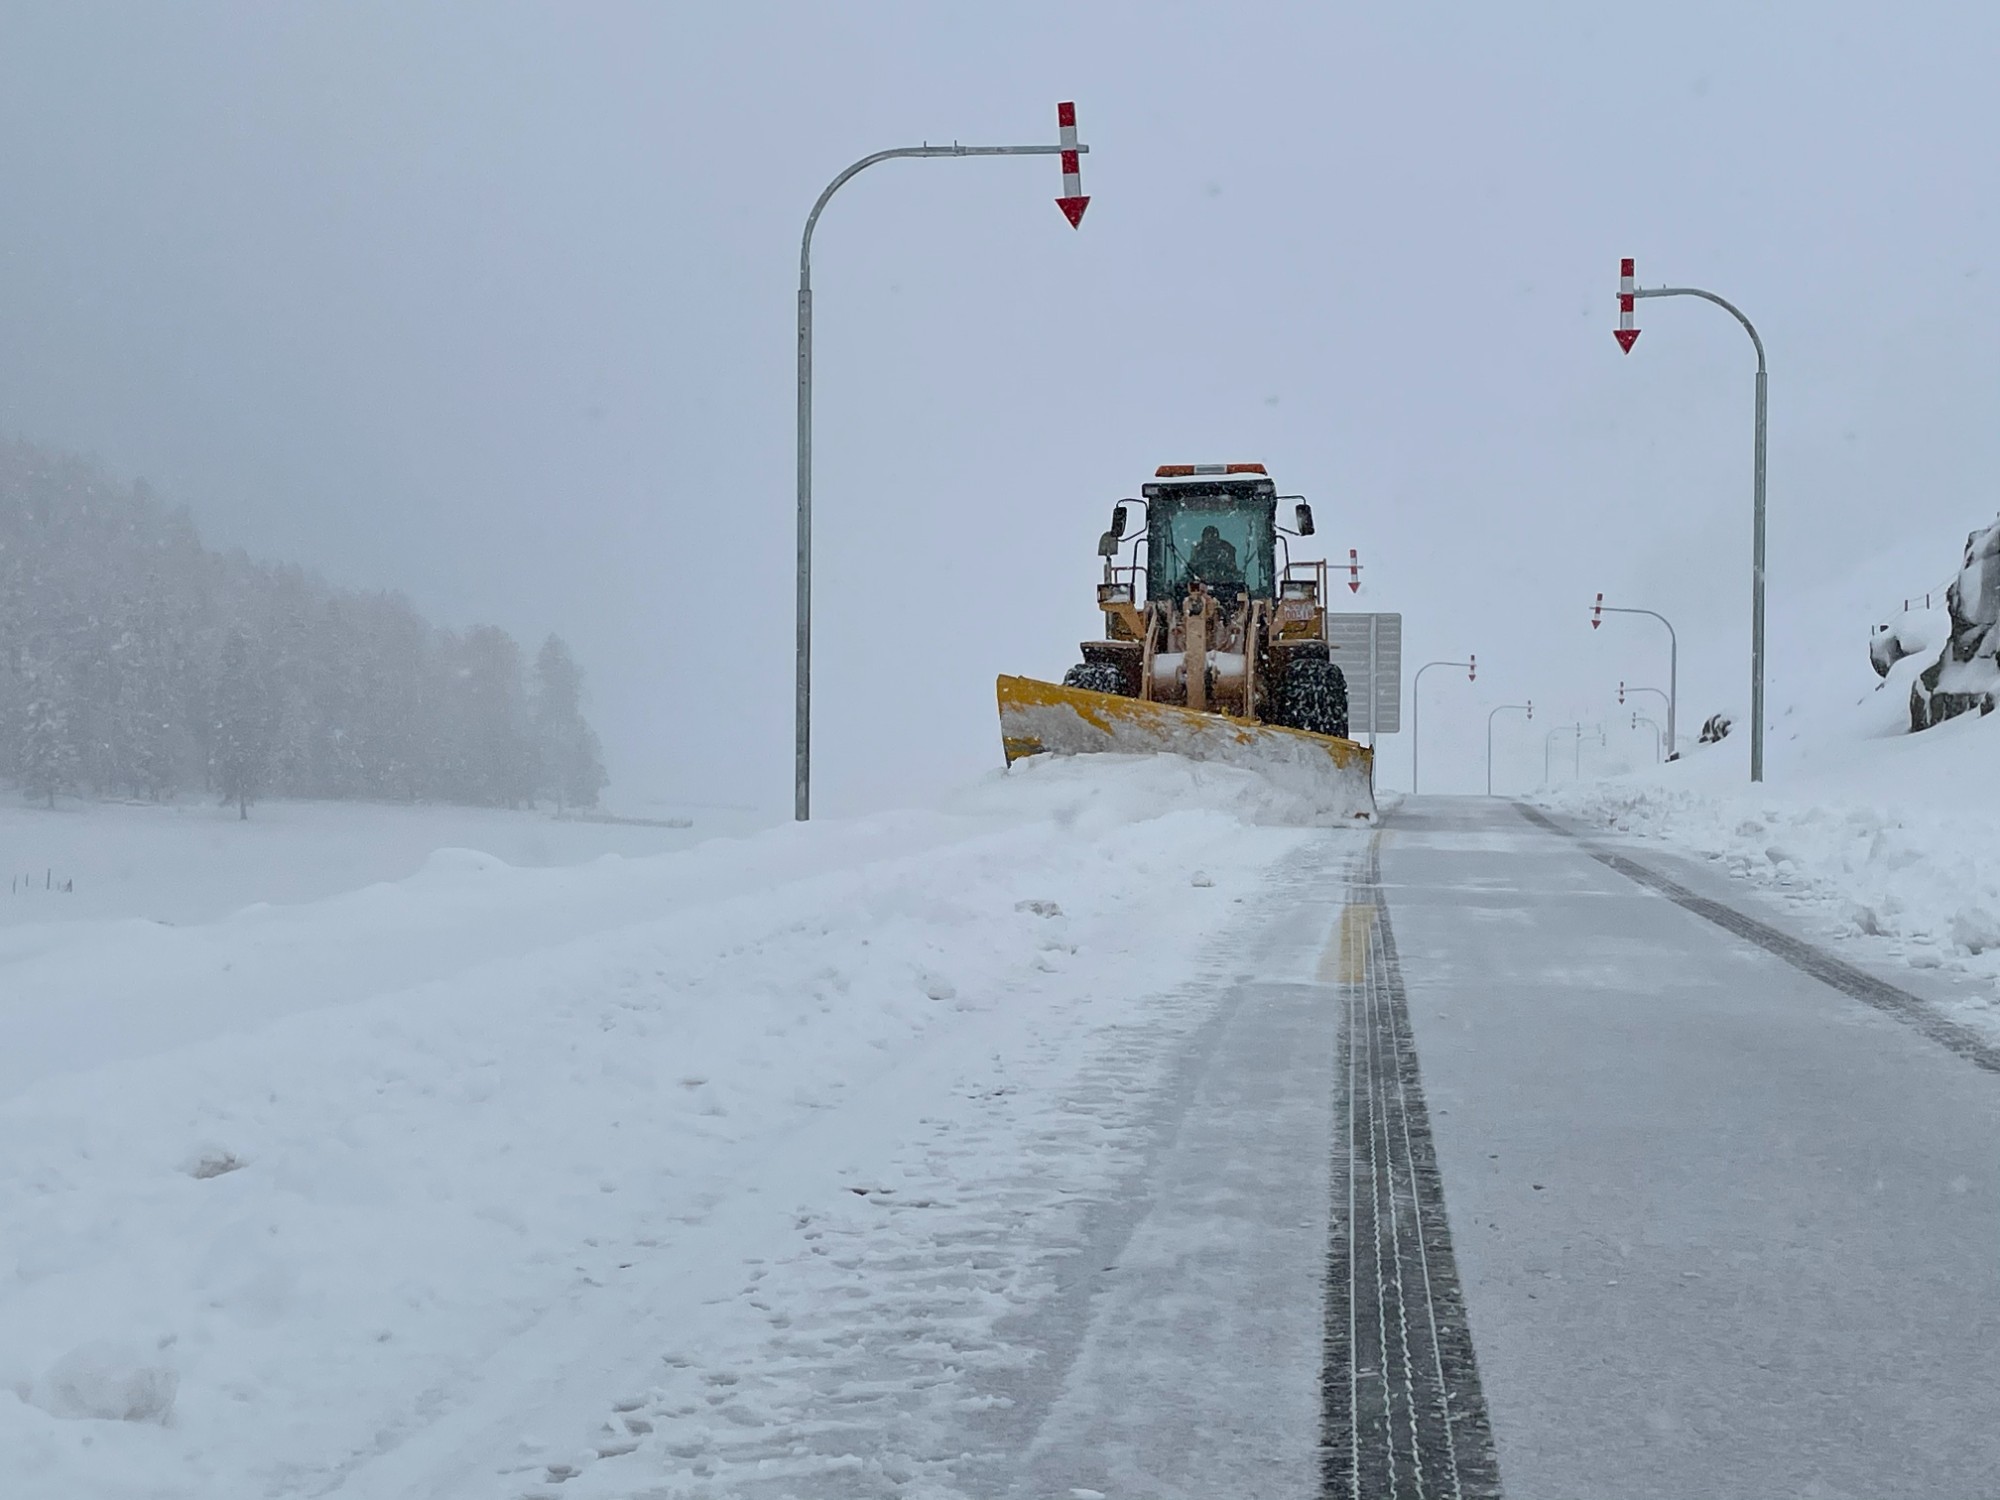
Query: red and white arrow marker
(1072,202)
(1471,667)
(1353,571)
(1625,333)
(1597,612)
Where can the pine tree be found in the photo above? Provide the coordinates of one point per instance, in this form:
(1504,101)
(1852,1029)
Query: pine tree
(153,757)
(558,710)
(291,771)
(241,747)
(405,702)
(583,774)
(568,759)
(45,755)
(496,751)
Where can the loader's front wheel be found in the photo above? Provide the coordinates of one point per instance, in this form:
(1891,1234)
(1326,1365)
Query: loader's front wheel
(1315,698)
(1095,677)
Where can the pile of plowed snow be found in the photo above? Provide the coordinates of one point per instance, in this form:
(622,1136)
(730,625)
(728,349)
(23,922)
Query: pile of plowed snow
(288,1199)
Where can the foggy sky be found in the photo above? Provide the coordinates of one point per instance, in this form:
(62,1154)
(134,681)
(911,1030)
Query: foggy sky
(493,304)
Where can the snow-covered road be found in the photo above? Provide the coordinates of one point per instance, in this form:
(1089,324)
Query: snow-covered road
(1095,1135)
(1724,1229)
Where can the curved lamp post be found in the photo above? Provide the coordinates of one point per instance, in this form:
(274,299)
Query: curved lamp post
(1548,745)
(1627,335)
(1471,665)
(1527,708)
(1623,689)
(1548,751)
(1072,204)
(1597,613)
(1637,720)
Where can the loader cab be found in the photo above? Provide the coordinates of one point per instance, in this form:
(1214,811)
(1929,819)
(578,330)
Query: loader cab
(1216,528)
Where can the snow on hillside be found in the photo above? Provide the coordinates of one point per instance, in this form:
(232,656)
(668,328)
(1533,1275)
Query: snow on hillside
(475,1181)
(1875,833)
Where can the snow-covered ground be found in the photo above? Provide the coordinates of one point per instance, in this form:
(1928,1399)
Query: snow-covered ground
(192,861)
(720,1171)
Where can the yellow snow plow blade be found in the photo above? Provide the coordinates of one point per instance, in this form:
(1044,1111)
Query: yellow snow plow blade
(1040,718)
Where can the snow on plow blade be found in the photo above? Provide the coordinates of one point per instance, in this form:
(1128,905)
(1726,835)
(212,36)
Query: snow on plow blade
(1037,718)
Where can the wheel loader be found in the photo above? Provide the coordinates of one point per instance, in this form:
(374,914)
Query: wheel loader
(1214,647)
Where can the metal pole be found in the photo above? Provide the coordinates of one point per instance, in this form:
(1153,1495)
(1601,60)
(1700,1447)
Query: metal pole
(1527,708)
(1673,664)
(1757,589)
(1415,683)
(1576,755)
(1757,529)
(802,687)
(1637,720)
(1654,691)
(1374,666)
(802,702)
(1674,691)
(1548,753)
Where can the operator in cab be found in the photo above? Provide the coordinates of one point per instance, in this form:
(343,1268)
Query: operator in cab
(1213,560)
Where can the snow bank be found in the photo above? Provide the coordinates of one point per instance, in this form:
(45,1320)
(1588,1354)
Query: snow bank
(1112,789)
(288,1199)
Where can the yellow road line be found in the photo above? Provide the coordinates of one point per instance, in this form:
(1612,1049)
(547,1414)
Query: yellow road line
(1345,958)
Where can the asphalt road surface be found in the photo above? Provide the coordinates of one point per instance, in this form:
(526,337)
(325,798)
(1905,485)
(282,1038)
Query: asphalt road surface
(1727,1220)
(1538,1166)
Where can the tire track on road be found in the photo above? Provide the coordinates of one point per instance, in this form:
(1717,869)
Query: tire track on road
(1402,1411)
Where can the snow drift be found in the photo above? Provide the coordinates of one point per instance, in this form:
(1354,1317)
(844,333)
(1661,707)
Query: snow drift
(403,1225)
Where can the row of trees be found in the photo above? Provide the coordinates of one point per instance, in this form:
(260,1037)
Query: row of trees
(136,662)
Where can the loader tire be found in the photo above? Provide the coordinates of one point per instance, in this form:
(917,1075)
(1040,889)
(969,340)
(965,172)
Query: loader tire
(1095,677)
(1315,698)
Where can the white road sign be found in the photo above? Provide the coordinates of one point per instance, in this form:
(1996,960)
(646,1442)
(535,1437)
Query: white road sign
(1368,649)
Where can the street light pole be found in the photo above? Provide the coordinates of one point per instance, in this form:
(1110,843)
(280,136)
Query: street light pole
(1637,720)
(1528,708)
(1471,666)
(1673,662)
(1628,291)
(1623,689)
(1576,750)
(1548,753)
(1072,206)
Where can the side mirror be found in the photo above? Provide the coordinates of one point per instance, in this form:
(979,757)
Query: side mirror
(1117,530)
(1107,545)
(1304,516)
